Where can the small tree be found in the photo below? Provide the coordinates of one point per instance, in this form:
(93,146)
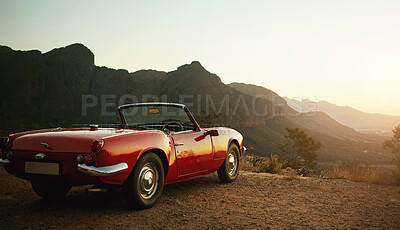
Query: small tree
(394,145)
(299,149)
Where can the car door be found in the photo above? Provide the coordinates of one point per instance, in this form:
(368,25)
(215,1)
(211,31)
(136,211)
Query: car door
(193,152)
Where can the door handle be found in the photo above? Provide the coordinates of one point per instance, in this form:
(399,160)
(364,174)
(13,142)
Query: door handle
(178,144)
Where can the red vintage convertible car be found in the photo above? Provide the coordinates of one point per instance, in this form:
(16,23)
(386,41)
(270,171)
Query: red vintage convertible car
(157,144)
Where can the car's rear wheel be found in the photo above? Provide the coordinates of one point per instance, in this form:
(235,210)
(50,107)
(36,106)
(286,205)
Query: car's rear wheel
(229,170)
(50,191)
(145,184)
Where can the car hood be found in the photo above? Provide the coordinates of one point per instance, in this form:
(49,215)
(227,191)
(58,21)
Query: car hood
(74,140)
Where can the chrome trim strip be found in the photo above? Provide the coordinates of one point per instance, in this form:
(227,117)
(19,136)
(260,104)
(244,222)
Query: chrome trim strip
(40,156)
(45,145)
(102,171)
(4,162)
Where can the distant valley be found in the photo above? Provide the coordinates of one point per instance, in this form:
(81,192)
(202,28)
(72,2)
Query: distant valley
(361,121)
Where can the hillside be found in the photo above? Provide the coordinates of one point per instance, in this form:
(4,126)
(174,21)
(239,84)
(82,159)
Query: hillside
(51,88)
(361,121)
(64,86)
(261,92)
(339,142)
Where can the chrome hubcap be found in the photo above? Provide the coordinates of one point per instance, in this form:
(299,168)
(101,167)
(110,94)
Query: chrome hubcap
(232,163)
(148,180)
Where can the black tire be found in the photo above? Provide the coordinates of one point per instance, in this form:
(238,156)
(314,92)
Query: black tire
(229,171)
(50,191)
(141,189)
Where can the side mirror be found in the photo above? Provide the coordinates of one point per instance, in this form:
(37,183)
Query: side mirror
(212,133)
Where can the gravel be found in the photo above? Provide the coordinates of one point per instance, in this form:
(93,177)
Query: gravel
(253,201)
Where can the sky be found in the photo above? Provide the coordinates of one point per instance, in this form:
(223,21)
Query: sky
(345,52)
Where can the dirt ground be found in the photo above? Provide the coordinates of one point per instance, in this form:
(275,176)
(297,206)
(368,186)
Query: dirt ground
(254,201)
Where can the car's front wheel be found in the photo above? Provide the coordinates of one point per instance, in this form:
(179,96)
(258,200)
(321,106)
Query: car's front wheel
(145,183)
(50,191)
(229,170)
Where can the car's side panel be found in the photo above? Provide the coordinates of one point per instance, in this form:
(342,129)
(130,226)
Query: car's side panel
(128,149)
(194,152)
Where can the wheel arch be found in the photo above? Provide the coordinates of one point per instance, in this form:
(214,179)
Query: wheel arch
(236,142)
(161,154)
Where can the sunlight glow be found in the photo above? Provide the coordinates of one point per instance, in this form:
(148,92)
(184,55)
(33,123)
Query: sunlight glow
(344,52)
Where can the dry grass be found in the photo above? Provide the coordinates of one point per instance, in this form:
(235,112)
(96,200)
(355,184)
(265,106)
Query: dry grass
(359,172)
(248,163)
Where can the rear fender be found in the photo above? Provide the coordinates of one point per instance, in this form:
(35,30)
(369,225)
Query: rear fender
(128,149)
(165,159)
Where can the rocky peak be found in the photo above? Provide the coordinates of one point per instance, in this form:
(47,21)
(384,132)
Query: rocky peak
(194,66)
(5,49)
(74,53)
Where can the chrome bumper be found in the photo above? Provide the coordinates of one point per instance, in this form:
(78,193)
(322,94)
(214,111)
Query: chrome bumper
(4,162)
(102,171)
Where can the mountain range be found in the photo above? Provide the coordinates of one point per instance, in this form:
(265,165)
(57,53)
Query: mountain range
(64,86)
(361,121)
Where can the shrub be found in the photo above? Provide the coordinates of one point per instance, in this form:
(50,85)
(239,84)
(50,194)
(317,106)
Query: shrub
(292,162)
(250,163)
(394,146)
(271,164)
(246,164)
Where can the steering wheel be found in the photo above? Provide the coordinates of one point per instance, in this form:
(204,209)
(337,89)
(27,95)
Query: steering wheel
(172,123)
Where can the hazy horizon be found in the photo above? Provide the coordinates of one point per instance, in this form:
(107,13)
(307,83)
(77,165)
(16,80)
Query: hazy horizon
(343,52)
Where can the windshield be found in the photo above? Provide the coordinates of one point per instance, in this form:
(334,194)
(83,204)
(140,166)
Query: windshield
(157,117)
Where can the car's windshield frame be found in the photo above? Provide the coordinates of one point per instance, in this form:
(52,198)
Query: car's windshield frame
(141,126)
